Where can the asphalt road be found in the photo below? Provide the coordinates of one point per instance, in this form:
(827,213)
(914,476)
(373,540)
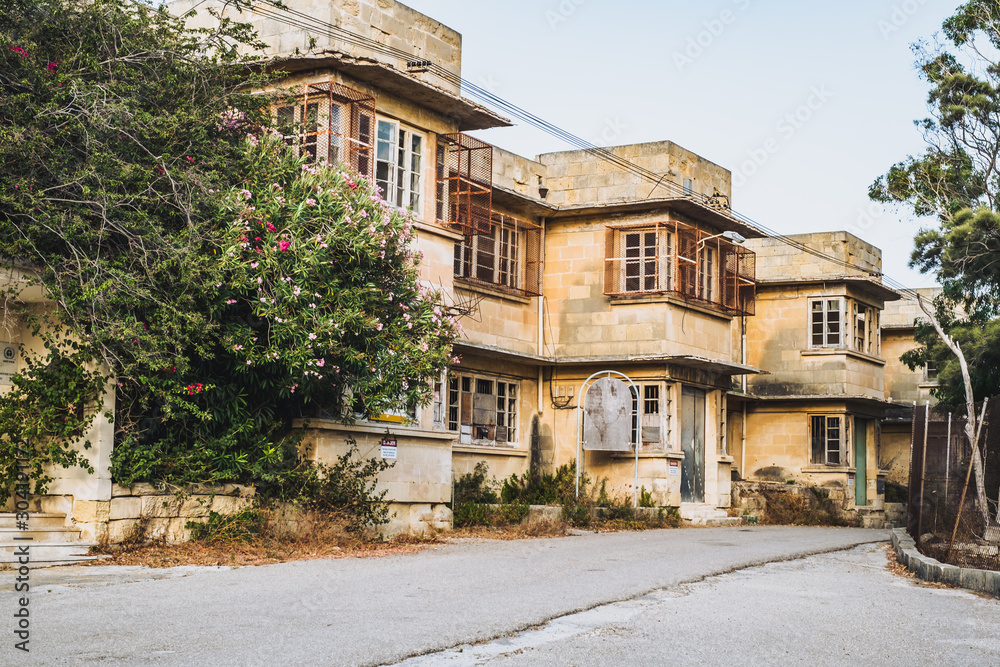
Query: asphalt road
(377,611)
(841,608)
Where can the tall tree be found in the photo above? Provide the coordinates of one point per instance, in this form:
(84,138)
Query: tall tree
(956,182)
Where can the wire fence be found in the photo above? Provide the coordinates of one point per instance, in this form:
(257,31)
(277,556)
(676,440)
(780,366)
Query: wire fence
(954,499)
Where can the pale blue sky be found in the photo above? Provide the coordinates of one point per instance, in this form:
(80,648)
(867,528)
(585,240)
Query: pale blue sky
(626,71)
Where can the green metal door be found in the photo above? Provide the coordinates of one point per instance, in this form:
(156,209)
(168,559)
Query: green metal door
(861,461)
(693,445)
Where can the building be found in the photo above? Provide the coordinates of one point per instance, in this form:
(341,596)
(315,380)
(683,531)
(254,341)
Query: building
(567,268)
(815,417)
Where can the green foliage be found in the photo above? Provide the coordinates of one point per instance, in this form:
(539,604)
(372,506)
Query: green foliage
(240,528)
(475,501)
(475,487)
(645,497)
(956,183)
(44,415)
(595,507)
(345,490)
(133,151)
(542,488)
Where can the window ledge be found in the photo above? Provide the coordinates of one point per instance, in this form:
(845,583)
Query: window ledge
(832,351)
(378,428)
(725,458)
(470,286)
(656,454)
(827,469)
(624,299)
(927,385)
(439,229)
(488,449)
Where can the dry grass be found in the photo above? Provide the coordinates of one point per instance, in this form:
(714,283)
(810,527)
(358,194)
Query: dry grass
(531,527)
(312,539)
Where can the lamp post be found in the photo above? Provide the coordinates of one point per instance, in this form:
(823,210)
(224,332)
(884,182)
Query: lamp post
(732,237)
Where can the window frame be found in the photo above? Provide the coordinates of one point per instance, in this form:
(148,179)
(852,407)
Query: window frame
(505,396)
(410,195)
(825,322)
(820,440)
(656,394)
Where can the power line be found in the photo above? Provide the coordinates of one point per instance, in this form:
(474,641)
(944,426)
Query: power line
(272,9)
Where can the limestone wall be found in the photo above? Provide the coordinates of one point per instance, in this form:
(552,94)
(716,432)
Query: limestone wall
(778,341)
(901,384)
(386,21)
(577,177)
(777,260)
(584,322)
(162,514)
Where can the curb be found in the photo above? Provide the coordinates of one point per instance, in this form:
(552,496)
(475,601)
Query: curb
(929,569)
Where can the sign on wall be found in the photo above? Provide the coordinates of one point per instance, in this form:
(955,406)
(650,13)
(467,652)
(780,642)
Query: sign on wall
(389,448)
(607,416)
(8,361)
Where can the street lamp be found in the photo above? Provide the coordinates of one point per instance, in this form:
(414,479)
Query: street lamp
(732,237)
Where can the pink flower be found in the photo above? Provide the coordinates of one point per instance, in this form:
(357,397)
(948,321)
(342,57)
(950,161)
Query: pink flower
(19,51)
(310,202)
(283,246)
(321,363)
(312,336)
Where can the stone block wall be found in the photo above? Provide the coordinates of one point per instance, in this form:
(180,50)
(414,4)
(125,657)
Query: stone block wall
(165,514)
(386,21)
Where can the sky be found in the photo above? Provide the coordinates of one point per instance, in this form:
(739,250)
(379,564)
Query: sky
(807,103)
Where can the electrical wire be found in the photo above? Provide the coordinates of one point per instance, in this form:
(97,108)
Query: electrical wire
(274,10)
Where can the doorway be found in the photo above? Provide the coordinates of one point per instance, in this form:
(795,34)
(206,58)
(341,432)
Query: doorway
(693,445)
(861,461)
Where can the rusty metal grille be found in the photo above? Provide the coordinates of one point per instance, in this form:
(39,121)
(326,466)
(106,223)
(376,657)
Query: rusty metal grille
(938,475)
(331,122)
(507,256)
(464,183)
(671,257)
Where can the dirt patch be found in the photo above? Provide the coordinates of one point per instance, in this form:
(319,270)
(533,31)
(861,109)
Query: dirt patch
(259,552)
(268,550)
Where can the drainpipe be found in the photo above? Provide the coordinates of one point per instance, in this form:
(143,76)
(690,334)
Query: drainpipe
(743,453)
(541,313)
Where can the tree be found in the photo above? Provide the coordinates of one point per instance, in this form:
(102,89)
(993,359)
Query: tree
(130,147)
(957,182)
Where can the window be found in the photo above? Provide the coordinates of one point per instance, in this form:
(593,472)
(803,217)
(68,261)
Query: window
(399,154)
(483,410)
(330,122)
(707,274)
(828,438)
(644,260)
(844,323)
(866,336)
(651,416)
(827,322)
(507,256)
(930,373)
(673,257)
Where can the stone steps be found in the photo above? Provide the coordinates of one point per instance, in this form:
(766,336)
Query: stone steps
(703,514)
(51,541)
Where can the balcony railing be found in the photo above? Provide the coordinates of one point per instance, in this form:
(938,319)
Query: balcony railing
(671,257)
